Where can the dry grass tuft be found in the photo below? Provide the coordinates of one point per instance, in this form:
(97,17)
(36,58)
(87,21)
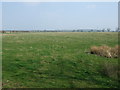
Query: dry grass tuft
(106,51)
(110,70)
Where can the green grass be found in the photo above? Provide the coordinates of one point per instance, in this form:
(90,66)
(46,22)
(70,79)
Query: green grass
(0,61)
(56,60)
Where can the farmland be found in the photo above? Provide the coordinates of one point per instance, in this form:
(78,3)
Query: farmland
(57,60)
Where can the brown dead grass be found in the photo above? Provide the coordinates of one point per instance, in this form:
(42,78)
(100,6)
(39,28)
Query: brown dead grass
(106,51)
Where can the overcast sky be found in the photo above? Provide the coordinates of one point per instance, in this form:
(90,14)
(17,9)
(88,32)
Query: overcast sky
(59,15)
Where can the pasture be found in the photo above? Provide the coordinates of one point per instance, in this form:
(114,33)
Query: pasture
(57,60)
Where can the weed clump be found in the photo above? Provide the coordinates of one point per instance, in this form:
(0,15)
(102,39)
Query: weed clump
(106,51)
(110,70)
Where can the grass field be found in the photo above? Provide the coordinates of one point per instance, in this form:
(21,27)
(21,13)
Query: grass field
(56,60)
(0,61)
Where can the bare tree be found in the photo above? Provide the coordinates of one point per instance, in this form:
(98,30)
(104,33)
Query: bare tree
(103,30)
(91,30)
(108,29)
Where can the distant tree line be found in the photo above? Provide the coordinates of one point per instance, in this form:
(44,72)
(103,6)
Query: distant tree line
(80,30)
(11,31)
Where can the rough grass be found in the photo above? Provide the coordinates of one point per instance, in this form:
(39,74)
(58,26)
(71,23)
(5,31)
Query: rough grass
(110,70)
(0,61)
(56,60)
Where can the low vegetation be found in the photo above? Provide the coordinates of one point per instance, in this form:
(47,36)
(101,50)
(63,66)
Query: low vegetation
(110,70)
(58,60)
